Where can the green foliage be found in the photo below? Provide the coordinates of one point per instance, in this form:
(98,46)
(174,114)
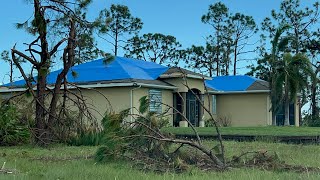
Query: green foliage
(117,22)
(155,47)
(201,58)
(86,138)
(311,120)
(113,130)
(262,69)
(122,138)
(222,121)
(231,33)
(108,58)
(144,104)
(12,131)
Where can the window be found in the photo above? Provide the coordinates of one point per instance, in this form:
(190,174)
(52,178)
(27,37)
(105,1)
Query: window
(155,97)
(214,104)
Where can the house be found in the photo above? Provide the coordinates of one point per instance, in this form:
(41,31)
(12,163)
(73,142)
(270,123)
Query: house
(237,100)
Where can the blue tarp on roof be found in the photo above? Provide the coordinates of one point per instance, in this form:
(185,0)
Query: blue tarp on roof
(231,83)
(119,68)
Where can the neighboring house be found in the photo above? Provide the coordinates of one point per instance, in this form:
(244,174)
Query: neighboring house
(242,100)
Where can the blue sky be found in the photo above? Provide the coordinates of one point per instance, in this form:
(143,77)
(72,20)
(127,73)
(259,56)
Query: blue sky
(180,18)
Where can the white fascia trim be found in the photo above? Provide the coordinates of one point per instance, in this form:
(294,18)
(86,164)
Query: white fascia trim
(157,86)
(98,85)
(239,92)
(13,90)
(188,75)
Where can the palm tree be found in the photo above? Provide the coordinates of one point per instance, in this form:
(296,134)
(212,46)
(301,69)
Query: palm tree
(289,74)
(278,45)
(290,77)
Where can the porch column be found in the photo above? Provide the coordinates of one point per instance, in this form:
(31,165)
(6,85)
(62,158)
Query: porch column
(184,105)
(183,122)
(201,112)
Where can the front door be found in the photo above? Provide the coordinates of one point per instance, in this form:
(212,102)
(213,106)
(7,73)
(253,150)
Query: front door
(192,109)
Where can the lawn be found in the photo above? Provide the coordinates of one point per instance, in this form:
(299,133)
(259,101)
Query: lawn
(67,162)
(255,131)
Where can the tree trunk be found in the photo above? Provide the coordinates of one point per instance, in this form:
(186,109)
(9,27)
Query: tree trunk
(11,72)
(286,113)
(274,119)
(116,39)
(42,135)
(116,45)
(235,58)
(314,107)
(286,103)
(68,60)
(217,66)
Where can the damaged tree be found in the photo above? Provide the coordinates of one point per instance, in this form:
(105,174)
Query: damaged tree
(143,142)
(148,148)
(41,56)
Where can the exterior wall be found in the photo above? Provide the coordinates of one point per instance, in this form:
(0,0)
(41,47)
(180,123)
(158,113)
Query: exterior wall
(192,83)
(245,109)
(120,99)
(208,104)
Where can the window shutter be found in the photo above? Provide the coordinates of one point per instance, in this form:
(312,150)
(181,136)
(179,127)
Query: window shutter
(155,97)
(214,104)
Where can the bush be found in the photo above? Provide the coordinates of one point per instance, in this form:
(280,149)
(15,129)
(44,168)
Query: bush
(12,130)
(86,138)
(311,121)
(223,121)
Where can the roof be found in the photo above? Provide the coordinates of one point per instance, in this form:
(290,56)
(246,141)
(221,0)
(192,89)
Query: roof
(240,83)
(132,72)
(179,72)
(98,71)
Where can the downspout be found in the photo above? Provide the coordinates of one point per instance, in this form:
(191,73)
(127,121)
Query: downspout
(131,100)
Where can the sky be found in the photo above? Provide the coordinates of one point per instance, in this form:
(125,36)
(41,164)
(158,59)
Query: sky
(180,18)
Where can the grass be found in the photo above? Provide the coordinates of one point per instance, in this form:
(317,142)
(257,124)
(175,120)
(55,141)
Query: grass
(255,131)
(63,162)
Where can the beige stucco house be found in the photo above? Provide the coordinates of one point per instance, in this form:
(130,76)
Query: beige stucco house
(179,93)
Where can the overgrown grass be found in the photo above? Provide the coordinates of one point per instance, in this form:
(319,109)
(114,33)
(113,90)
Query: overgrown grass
(67,162)
(256,131)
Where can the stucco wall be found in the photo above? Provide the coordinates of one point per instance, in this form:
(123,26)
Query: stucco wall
(245,109)
(242,109)
(120,99)
(192,83)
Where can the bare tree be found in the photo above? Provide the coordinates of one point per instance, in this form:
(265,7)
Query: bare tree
(40,55)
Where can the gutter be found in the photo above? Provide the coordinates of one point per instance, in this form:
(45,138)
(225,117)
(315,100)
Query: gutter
(181,75)
(131,100)
(239,92)
(98,85)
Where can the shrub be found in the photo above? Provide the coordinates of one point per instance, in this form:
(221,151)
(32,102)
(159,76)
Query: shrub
(86,138)
(12,130)
(311,121)
(223,121)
